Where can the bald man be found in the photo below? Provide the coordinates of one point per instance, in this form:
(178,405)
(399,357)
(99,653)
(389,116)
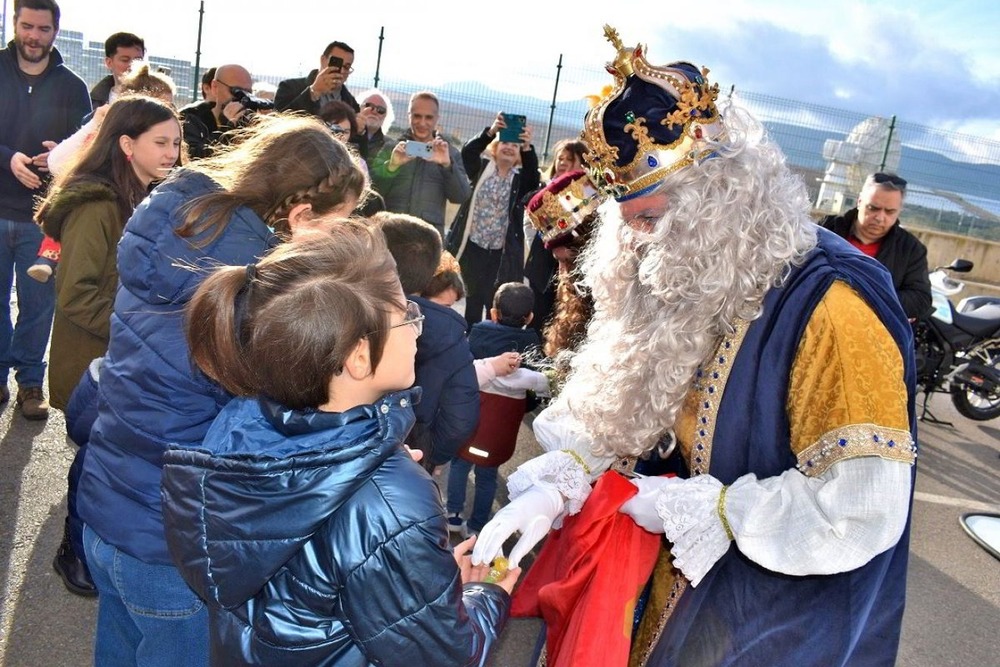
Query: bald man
(205,122)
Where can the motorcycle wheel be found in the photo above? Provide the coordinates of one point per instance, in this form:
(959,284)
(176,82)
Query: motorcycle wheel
(978,406)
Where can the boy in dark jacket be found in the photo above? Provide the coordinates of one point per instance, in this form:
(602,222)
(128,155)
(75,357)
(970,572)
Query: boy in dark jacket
(448,410)
(503,404)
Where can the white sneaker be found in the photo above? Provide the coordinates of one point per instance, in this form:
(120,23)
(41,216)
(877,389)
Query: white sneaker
(40,272)
(456,524)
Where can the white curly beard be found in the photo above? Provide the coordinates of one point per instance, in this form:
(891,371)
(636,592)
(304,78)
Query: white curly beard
(734,226)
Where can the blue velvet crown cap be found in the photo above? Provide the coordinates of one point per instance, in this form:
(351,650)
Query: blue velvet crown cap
(653,122)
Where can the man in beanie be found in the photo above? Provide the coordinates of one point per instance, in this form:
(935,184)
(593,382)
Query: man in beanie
(763,361)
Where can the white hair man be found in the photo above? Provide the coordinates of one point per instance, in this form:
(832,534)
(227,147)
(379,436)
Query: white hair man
(774,355)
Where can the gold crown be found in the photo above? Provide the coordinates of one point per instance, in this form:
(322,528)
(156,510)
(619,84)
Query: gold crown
(557,213)
(668,123)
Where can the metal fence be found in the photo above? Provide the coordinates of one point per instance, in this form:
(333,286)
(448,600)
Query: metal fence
(954,178)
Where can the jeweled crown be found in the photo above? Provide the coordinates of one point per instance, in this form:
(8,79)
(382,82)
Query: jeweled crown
(563,206)
(653,122)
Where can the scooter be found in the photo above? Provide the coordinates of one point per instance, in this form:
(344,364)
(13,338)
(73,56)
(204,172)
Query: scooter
(958,349)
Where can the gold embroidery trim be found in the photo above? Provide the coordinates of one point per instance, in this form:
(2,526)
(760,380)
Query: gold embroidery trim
(676,591)
(710,385)
(578,459)
(721,509)
(855,441)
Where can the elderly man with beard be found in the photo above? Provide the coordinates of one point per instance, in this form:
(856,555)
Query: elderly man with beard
(771,353)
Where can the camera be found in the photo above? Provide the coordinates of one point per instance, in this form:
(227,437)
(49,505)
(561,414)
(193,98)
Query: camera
(249,102)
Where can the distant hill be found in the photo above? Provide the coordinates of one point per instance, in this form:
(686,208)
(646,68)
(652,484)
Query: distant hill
(465,114)
(922,168)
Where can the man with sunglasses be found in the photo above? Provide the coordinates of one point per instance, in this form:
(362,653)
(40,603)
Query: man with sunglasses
(205,122)
(377,115)
(873,228)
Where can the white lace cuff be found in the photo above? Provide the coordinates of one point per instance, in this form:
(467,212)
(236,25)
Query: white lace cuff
(690,514)
(559,470)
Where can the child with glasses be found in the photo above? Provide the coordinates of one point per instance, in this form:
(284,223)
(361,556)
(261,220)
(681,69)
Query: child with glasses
(302,519)
(449,406)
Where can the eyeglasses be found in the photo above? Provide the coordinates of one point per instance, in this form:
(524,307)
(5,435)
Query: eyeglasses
(377,108)
(336,129)
(413,316)
(893,180)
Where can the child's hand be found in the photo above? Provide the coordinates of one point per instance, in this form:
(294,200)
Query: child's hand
(469,571)
(415,454)
(475,573)
(506,363)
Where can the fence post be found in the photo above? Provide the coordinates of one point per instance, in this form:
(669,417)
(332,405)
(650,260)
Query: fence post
(196,86)
(378,62)
(552,112)
(888,142)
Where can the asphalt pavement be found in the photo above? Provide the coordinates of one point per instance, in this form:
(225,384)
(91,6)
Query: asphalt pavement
(952,615)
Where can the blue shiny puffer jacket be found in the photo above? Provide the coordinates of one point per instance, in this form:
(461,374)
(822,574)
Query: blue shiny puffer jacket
(150,395)
(317,540)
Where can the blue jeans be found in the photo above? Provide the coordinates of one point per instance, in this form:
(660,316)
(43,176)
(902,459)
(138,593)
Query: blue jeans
(486,490)
(146,615)
(22,345)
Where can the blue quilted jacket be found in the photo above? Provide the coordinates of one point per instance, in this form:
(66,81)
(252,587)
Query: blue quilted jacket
(150,395)
(317,540)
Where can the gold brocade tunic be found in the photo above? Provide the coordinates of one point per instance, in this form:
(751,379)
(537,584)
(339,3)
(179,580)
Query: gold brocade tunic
(847,399)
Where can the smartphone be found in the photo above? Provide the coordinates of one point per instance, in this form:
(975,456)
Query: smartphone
(515,126)
(336,61)
(419,149)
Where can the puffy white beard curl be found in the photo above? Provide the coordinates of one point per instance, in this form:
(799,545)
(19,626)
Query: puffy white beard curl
(735,225)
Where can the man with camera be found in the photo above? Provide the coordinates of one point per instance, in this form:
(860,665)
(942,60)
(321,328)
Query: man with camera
(421,172)
(324,85)
(205,122)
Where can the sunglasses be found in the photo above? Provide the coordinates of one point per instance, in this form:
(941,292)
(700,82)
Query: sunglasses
(891,179)
(377,108)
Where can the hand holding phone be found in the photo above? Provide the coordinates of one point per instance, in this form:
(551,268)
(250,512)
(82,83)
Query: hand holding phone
(514,127)
(419,149)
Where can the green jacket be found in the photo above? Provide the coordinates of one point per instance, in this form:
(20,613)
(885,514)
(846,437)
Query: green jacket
(86,219)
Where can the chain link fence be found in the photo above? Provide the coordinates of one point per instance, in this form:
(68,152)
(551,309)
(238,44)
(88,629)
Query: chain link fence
(954,178)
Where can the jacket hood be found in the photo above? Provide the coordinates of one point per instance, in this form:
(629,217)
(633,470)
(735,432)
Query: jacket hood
(172,266)
(264,481)
(489,338)
(444,328)
(71,198)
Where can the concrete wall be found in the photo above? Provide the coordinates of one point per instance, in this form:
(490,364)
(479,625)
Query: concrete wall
(943,248)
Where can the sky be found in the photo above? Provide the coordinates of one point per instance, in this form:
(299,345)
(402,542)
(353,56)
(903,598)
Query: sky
(934,63)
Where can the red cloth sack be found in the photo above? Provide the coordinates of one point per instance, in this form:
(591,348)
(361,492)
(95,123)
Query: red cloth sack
(587,579)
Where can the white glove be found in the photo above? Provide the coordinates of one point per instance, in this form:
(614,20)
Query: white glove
(687,511)
(642,506)
(531,514)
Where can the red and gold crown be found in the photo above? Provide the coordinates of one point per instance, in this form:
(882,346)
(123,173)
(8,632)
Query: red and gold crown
(560,210)
(653,122)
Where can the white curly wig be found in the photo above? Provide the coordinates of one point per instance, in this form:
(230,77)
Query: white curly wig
(735,224)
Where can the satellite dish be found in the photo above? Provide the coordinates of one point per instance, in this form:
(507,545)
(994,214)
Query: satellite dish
(850,161)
